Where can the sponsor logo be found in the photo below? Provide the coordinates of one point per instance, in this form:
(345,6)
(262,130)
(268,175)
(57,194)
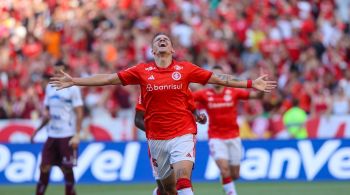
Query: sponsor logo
(104,164)
(189,155)
(150,68)
(227,98)
(292,162)
(210,99)
(177,67)
(150,87)
(176,76)
(220,105)
(154,162)
(151,77)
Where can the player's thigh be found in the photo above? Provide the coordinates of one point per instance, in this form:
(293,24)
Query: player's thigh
(235,151)
(160,158)
(182,155)
(218,149)
(50,155)
(68,154)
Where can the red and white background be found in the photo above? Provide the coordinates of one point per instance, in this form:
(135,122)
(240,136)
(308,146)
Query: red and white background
(123,129)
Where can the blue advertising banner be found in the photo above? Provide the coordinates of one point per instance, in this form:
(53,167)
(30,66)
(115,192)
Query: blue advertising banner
(107,162)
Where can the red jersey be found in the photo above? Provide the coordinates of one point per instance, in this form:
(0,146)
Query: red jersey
(191,104)
(164,95)
(221,108)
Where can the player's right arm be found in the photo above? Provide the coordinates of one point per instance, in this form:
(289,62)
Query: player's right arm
(46,119)
(64,80)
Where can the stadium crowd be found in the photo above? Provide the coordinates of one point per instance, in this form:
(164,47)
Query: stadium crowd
(305,45)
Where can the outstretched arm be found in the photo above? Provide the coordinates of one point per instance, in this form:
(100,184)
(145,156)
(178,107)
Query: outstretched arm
(231,81)
(64,80)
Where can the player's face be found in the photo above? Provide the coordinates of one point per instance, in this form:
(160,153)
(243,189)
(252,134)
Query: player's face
(162,45)
(58,69)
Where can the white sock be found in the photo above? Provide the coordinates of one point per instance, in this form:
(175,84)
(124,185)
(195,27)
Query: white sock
(185,191)
(230,188)
(155,191)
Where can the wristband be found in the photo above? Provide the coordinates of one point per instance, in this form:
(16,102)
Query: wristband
(249,83)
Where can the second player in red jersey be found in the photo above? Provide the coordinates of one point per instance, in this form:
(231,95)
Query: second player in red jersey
(224,141)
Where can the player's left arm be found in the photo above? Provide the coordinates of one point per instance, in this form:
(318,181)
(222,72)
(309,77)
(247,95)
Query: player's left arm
(74,142)
(230,81)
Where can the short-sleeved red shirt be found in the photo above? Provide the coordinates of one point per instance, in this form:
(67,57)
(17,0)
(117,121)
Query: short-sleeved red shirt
(164,95)
(221,108)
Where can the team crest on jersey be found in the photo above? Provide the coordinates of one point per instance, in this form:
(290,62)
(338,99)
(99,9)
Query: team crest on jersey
(177,67)
(227,98)
(150,68)
(176,76)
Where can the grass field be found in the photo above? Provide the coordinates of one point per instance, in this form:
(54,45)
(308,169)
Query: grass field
(300,188)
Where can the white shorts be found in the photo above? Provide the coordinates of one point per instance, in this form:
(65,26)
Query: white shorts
(227,149)
(164,153)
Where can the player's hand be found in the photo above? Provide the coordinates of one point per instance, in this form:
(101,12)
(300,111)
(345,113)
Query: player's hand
(61,80)
(201,118)
(74,141)
(264,85)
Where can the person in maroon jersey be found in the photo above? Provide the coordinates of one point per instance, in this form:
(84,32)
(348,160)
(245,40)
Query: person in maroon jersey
(224,142)
(172,128)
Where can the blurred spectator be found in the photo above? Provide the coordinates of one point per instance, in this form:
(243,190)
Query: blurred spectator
(294,121)
(340,102)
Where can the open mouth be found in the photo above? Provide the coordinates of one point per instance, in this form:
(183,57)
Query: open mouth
(162,45)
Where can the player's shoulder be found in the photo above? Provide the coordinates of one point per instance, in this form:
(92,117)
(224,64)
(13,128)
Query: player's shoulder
(235,91)
(144,66)
(184,63)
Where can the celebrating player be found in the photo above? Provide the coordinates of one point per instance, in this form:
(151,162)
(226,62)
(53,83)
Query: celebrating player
(224,141)
(170,126)
(63,114)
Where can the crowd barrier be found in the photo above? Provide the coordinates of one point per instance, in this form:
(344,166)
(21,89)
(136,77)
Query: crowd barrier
(111,162)
(123,129)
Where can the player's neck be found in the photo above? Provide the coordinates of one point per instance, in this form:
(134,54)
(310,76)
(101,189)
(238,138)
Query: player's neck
(163,61)
(218,89)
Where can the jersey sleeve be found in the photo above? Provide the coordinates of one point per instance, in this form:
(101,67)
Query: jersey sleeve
(130,76)
(77,100)
(199,98)
(139,105)
(199,75)
(191,103)
(242,94)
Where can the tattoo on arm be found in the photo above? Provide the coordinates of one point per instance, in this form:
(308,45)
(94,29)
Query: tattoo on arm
(226,78)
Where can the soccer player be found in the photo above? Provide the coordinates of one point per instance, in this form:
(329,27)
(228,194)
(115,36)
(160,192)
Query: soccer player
(139,123)
(171,127)
(63,116)
(224,142)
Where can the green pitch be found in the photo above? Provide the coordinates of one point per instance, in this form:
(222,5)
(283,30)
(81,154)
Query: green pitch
(300,188)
